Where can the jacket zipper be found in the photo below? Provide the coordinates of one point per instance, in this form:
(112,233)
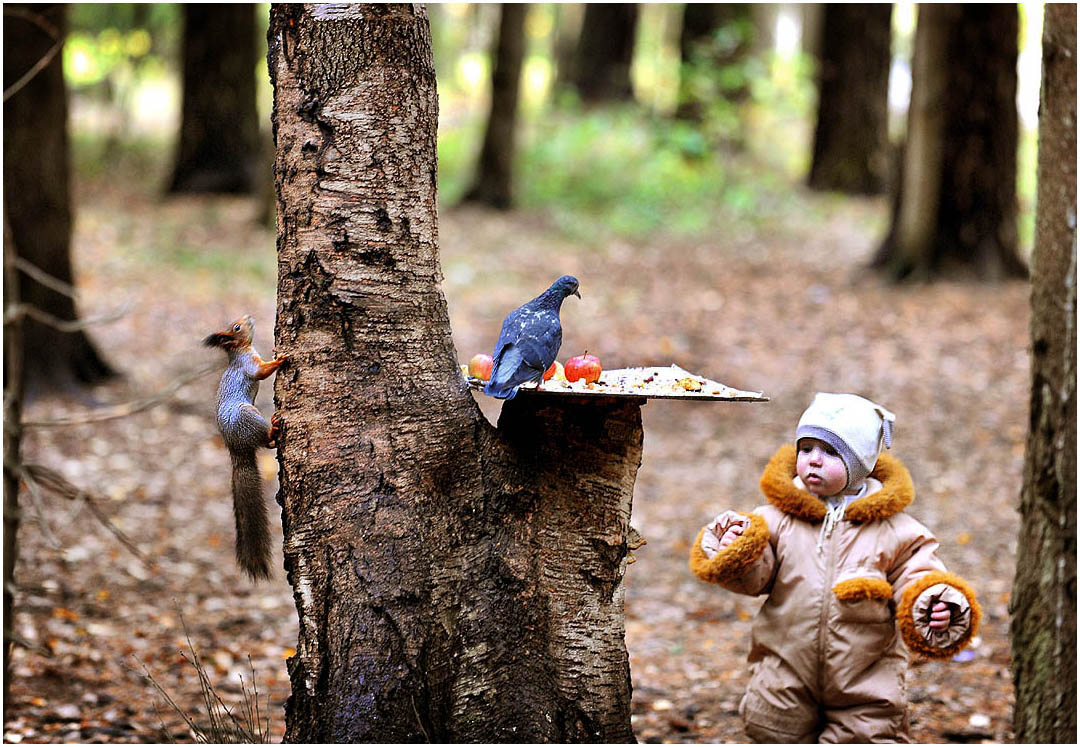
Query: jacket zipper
(826,600)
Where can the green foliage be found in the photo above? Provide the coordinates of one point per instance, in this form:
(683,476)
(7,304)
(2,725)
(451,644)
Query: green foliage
(621,171)
(114,42)
(624,170)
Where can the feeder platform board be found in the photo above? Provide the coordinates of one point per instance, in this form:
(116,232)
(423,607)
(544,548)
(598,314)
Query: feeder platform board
(648,382)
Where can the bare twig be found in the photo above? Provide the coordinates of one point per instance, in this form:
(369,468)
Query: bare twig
(28,76)
(33,489)
(49,281)
(53,481)
(222,725)
(13,637)
(54,33)
(128,408)
(64,325)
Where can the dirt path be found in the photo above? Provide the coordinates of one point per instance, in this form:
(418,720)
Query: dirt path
(782,309)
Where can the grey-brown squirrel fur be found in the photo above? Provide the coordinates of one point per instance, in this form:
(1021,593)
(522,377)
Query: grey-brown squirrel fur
(244,429)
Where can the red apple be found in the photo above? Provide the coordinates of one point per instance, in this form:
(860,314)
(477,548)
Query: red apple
(585,367)
(480,366)
(556,370)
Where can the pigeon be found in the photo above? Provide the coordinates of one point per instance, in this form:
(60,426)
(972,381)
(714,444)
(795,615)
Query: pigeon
(529,341)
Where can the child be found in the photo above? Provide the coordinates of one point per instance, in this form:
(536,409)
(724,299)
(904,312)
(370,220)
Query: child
(841,566)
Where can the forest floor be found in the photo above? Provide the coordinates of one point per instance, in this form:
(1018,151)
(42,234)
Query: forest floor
(785,307)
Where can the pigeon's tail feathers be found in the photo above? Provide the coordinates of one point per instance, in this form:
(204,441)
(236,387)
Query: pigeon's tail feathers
(508,372)
(500,391)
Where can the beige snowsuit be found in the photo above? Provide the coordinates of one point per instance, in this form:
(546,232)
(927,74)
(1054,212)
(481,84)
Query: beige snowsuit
(826,661)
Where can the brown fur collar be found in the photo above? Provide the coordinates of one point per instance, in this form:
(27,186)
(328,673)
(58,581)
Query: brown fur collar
(896,491)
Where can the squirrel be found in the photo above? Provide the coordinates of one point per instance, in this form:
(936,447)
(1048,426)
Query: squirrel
(244,429)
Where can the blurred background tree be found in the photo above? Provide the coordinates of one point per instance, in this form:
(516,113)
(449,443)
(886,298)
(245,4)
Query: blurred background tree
(57,354)
(219,147)
(605,50)
(493,183)
(956,200)
(851,140)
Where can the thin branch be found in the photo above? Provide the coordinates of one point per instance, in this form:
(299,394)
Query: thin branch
(33,488)
(129,408)
(29,75)
(49,281)
(35,18)
(54,482)
(53,32)
(64,325)
(13,637)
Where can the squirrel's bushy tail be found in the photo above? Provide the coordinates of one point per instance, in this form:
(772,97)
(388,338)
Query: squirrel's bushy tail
(252,523)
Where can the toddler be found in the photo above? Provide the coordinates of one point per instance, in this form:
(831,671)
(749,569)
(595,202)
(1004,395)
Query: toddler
(842,567)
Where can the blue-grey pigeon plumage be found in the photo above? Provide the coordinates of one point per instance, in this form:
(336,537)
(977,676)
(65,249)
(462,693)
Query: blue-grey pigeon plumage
(529,341)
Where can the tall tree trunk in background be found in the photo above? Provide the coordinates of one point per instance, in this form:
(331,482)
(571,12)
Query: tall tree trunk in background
(1043,604)
(37,196)
(12,442)
(493,183)
(218,150)
(851,140)
(714,42)
(605,51)
(568,20)
(454,582)
(956,210)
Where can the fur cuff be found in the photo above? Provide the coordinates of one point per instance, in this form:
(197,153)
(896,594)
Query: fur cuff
(863,588)
(909,627)
(730,563)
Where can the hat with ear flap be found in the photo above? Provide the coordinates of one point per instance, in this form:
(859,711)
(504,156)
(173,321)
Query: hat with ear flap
(856,427)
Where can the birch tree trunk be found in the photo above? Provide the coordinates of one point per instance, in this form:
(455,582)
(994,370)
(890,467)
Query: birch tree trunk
(454,582)
(1044,592)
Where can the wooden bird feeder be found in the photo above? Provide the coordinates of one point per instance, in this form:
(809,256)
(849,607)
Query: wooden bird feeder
(642,383)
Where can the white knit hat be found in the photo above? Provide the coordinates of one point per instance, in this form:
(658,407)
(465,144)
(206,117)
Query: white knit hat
(853,425)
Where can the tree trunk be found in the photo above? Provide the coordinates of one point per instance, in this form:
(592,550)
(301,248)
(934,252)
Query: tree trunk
(1043,604)
(218,150)
(454,582)
(12,442)
(493,184)
(37,197)
(851,140)
(605,51)
(956,210)
(568,20)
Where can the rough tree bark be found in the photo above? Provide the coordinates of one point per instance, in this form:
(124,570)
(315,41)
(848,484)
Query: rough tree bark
(493,183)
(454,582)
(1043,603)
(605,50)
(37,196)
(851,139)
(955,212)
(218,150)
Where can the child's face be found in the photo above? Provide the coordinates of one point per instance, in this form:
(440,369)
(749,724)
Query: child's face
(820,468)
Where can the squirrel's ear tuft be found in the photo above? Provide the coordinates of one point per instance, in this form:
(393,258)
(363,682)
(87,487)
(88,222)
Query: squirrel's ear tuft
(216,340)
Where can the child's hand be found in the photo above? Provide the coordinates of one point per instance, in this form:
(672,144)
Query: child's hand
(733,533)
(722,531)
(940,615)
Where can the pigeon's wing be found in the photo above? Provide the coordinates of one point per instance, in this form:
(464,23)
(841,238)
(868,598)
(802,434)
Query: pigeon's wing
(540,339)
(527,345)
